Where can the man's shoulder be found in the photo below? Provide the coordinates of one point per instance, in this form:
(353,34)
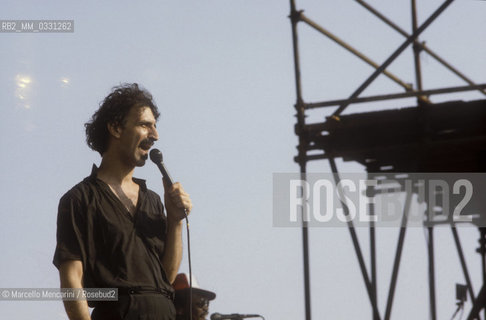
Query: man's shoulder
(77,201)
(83,190)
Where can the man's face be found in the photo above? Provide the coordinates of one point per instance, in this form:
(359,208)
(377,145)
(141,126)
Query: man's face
(137,135)
(200,306)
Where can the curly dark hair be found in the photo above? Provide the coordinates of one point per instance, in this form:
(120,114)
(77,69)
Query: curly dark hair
(113,110)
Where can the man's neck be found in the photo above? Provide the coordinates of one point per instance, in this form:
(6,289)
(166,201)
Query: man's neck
(114,172)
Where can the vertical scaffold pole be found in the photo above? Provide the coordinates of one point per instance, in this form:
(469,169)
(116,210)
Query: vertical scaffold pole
(300,108)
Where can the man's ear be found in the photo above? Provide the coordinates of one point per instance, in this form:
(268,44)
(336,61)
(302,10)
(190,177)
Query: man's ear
(114,129)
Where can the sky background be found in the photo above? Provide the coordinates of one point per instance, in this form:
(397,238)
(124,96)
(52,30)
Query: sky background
(222,75)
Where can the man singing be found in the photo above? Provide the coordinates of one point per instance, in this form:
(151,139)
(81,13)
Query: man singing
(111,230)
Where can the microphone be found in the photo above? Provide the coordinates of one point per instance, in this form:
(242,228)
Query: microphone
(156,157)
(236,316)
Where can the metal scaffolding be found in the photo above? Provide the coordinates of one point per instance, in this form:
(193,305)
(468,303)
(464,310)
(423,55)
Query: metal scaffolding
(418,130)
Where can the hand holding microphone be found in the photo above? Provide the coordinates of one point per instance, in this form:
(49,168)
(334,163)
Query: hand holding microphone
(177,201)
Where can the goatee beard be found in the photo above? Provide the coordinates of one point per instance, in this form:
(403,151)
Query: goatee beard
(141,161)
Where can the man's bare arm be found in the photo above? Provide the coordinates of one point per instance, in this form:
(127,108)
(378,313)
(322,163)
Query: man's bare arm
(71,274)
(176,201)
(173,250)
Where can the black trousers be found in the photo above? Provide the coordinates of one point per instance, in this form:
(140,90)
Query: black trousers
(150,306)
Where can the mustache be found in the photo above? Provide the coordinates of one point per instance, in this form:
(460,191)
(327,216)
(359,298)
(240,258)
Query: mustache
(147,143)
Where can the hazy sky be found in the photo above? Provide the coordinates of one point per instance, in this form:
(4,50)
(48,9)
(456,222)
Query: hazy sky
(222,75)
